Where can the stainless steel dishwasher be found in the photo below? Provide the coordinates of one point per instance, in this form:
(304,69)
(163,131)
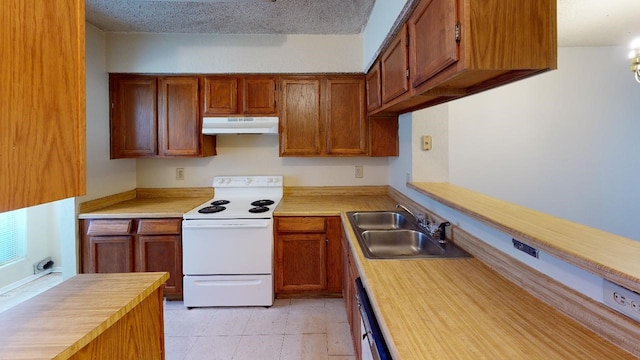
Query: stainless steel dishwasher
(372,338)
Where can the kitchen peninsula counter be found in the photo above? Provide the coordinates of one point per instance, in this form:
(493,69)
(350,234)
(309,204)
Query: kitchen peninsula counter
(118,316)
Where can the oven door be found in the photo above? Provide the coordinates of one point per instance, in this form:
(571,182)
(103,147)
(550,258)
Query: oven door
(227,247)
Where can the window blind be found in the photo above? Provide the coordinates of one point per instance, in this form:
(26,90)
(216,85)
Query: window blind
(12,236)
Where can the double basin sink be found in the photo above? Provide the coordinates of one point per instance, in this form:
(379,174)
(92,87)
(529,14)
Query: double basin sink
(396,235)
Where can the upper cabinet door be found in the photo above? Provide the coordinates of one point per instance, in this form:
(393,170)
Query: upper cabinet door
(301,130)
(373,80)
(179,125)
(42,102)
(432,33)
(259,96)
(220,95)
(346,124)
(394,67)
(133,116)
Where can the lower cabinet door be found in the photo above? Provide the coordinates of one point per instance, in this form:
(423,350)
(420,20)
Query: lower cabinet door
(111,254)
(162,253)
(302,262)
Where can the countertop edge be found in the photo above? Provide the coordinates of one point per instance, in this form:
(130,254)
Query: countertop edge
(551,229)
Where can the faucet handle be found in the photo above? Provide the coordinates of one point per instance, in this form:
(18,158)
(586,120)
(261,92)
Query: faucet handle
(442,230)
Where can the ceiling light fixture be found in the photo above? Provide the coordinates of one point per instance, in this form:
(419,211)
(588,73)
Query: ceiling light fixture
(635,58)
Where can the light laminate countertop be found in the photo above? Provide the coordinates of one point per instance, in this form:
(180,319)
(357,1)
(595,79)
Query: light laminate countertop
(146,203)
(62,320)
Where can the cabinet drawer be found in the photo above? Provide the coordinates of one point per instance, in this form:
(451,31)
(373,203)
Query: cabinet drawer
(159,226)
(109,227)
(301,224)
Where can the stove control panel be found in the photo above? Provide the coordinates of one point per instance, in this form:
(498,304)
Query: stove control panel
(247,181)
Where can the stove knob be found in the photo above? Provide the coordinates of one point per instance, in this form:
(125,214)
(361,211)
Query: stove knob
(247,181)
(269,180)
(220,180)
(228,180)
(276,180)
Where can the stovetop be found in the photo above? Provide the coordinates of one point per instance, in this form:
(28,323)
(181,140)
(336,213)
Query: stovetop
(240,197)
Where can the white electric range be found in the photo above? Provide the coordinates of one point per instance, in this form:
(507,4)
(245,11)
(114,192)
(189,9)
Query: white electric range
(227,244)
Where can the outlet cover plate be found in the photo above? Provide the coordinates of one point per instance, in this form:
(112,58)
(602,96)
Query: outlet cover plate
(525,248)
(622,299)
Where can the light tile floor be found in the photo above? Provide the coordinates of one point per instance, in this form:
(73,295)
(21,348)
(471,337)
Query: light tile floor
(292,329)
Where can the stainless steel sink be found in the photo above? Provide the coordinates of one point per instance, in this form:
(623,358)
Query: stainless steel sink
(382,220)
(399,243)
(396,235)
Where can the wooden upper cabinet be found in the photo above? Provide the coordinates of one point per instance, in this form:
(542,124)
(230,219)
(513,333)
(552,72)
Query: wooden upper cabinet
(42,102)
(383,136)
(462,47)
(133,116)
(301,127)
(432,36)
(346,123)
(479,44)
(179,125)
(259,95)
(373,82)
(239,95)
(394,67)
(220,95)
(326,116)
(156,117)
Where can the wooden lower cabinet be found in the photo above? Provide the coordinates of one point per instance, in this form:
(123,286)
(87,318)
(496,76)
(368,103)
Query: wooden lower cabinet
(129,245)
(349,276)
(307,256)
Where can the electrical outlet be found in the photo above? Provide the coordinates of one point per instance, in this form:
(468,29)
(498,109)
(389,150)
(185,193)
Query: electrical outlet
(622,299)
(359,171)
(179,173)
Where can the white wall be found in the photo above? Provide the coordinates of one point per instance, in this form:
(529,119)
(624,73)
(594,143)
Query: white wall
(383,16)
(564,143)
(258,155)
(191,53)
(104,176)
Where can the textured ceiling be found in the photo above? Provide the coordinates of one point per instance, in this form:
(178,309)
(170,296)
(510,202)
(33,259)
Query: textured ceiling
(280,17)
(598,22)
(580,22)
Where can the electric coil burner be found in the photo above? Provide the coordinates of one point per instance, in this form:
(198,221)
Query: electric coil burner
(227,244)
(212,209)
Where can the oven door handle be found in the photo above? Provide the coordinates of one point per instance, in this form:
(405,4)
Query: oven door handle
(225,224)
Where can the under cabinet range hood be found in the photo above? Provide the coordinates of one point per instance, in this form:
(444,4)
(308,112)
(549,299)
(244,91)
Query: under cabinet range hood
(239,125)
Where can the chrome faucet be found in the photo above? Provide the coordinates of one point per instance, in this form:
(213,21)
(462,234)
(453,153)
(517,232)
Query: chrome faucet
(420,219)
